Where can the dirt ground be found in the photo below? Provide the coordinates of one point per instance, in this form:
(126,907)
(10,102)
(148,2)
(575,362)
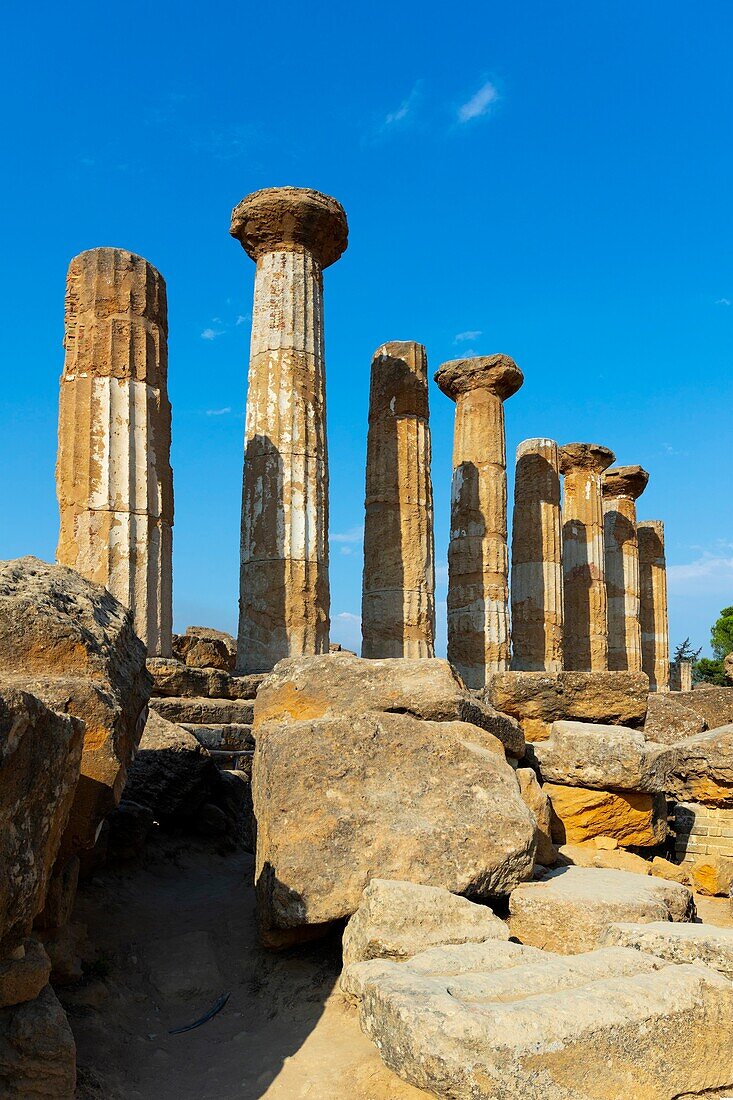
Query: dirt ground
(172,934)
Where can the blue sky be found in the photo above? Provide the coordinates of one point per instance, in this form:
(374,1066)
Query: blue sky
(549,180)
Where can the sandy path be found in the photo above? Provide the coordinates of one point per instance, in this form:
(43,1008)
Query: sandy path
(174,933)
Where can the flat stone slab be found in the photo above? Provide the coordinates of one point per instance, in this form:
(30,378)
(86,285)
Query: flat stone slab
(703,771)
(706,944)
(228,735)
(399,919)
(498,1021)
(570,909)
(204,711)
(585,754)
(172,677)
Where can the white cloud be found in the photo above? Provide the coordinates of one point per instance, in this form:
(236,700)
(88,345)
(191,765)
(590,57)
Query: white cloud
(723,302)
(218,412)
(405,108)
(471,334)
(354,535)
(708,574)
(210,334)
(479,103)
(348,617)
(242,319)
(347,550)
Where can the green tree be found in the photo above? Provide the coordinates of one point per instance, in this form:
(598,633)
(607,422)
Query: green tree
(721,635)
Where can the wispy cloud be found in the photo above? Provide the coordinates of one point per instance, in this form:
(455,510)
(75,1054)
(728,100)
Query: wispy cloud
(710,573)
(218,412)
(353,535)
(405,109)
(470,334)
(242,319)
(479,103)
(723,302)
(211,333)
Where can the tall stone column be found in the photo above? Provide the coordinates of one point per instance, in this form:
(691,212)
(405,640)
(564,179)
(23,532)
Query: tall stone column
(622,486)
(586,608)
(654,620)
(537,578)
(113,476)
(292,233)
(398,600)
(478,566)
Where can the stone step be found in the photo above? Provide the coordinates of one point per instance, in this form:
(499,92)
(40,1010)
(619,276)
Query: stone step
(174,678)
(232,736)
(204,711)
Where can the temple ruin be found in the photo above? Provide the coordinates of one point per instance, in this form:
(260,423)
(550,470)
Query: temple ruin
(622,486)
(653,604)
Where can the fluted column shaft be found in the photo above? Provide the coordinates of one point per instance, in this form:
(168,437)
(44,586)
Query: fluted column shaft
(653,604)
(621,488)
(398,600)
(537,577)
(113,475)
(585,646)
(284,608)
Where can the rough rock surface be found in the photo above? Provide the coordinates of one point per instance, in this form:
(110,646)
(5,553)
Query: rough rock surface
(24,976)
(706,944)
(497,1021)
(711,703)
(539,804)
(204,711)
(172,774)
(669,720)
(306,688)
(37,1051)
(40,753)
(71,643)
(174,678)
(339,801)
(203,647)
(537,699)
(633,819)
(587,855)
(673,872)
(396,920)
(570,908)
(703,771)
(712,875)
(583,754)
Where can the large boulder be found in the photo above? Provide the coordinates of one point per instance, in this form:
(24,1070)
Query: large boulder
(40,754)
(669,718)
(173,677)
(711,703)
(396,920)
(537,699)
(705,944)
(633,819)
(583,754)
(306,688)
(72,644)
(570,908)
(172,774)
(341,800)
(496,1021)
(539,803)
(203,647)
(703,770)
(37,1051)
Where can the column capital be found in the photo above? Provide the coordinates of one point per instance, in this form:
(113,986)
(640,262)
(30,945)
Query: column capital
(585,456)
(498,374)
(624,481)
(291,218)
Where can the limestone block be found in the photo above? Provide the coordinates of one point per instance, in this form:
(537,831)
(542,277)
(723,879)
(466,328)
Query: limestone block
(570,908)
(699,944)
(37,1051)
(633,818)
(398,600)
(669,718)
(537,579)
(40,754)
(339,683)
(712,875)
(653,604)
(622,486)
(24,975)
(172,678)
(585,754)
(396,920)
(673,872)
(587,855)
(538,802)
(172,774)
(212,650)
(340,800)
(703,771)
(204,710)
(516,1024)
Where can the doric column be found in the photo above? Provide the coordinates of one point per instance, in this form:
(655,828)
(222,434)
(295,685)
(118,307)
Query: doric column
(293,234)
(653,587)
(398,601)
(585,646)
(113,475)
(537,579)
(478,567)
(621,487)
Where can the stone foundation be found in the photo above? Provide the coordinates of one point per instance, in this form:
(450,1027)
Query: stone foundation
(702,831)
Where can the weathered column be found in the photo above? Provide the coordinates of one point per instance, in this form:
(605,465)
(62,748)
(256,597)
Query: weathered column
(478,566)
(113,475)
(621,488)
(654,622)
(398,599)
(537,579)
(292,233)
(586,618)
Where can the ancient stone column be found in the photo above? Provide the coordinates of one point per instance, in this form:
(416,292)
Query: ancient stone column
(113,476)
(585,646)
(293,234)
(621,487)
(478,566)
(654,622)
(537,579)
(398,600)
